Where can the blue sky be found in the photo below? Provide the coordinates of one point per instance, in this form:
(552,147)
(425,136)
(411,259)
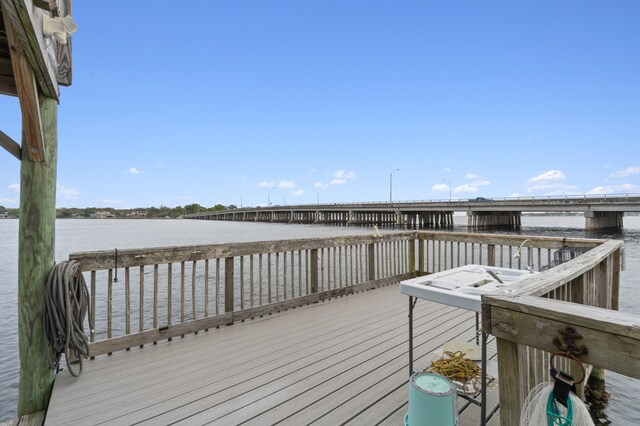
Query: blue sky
(238,102)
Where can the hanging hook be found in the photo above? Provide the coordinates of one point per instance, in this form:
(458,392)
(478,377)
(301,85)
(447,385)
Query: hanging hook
(115,279)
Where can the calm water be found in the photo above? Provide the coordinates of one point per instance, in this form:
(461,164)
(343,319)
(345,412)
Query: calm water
(89,235)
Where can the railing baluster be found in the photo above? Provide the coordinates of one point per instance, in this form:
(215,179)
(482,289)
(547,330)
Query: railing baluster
(92,319)
(251,280)
(300,272)
(155,296)
(293,278)
(194,307)
(206,288)
(269,277)
(241,282)
(109,304)
(169,287)
(182,290)
(141,302)
(127,302)
(278,277)
(218,286)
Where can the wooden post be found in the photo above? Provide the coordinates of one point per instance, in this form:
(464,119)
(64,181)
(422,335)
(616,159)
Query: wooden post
(371,254)
(511,392)
(420,256)
(228,284)
(491,255)
(412,256)
(36,258)
(313,269)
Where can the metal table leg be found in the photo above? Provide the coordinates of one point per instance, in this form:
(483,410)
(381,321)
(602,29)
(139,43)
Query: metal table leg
(411,305)
(483,379)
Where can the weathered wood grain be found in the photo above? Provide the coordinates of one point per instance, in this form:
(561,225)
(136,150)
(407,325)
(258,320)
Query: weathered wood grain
(25,22)
(36,232)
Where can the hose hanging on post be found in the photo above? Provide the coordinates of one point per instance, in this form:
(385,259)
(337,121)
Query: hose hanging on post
(66,305)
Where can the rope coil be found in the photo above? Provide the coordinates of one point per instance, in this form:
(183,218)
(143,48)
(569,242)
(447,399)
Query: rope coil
(66,306)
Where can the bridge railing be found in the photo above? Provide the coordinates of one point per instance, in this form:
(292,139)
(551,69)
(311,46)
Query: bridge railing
(444,201)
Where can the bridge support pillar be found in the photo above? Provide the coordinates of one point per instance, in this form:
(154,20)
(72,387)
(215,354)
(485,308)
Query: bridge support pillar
(488,219)
(603,220)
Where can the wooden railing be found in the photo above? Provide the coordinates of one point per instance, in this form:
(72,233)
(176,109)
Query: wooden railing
(528,316)
(140,296)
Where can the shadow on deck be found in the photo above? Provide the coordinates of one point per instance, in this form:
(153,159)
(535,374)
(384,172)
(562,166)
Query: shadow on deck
(342,361)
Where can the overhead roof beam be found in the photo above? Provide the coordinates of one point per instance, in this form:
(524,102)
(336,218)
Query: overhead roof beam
(26,22)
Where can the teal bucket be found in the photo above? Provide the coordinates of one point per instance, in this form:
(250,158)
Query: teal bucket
(432,401)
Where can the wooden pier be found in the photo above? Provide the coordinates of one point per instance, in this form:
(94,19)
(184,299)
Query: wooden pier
(315,330)
(341,361)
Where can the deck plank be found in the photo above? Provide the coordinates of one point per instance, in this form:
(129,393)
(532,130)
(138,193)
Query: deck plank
(340,360)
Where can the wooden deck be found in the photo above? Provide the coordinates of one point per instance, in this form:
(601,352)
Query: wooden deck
(342,361)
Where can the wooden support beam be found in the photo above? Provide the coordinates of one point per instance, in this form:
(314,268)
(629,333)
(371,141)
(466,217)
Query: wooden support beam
(10,145)
(26,22)
(36,253)
(27,92)
(7,82)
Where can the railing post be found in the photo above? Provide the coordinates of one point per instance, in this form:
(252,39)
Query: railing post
(371,253)
(421,244)
(228,284)
(412,256)
(491,255)
(313,270)
(615,279)
(511,388)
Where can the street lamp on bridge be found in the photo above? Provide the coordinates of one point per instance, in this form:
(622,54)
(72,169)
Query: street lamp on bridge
(391,185)
(444,180)
(317,196)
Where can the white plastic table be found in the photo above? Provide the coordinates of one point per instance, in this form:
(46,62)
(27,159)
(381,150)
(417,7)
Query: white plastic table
(461,287)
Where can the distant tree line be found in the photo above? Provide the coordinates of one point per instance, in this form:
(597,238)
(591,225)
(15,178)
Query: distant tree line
(161,212)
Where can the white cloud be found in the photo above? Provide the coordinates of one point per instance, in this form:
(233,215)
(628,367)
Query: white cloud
(313,170)
(267,184)
(338,181)
(442,187)
(481,182)
(465,188)
(548,176)
(112,202)
(320,185)
(471,176)
(614,189)
(15,187)
(67,193)
(298,192)
(546,187)
(159,165)
(184,197)
(606,167)
(8,201)
(446,169)
(629,171)
(342,175)
(515,195)
(286,184)
(134,171)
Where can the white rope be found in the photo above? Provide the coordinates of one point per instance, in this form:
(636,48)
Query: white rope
(534,411)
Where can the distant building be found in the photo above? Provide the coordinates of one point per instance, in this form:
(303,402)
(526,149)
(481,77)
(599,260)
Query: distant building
(4,216)
(102,215)
(140,214)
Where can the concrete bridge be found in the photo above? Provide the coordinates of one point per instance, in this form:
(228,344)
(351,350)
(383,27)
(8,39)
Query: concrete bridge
(600,212)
